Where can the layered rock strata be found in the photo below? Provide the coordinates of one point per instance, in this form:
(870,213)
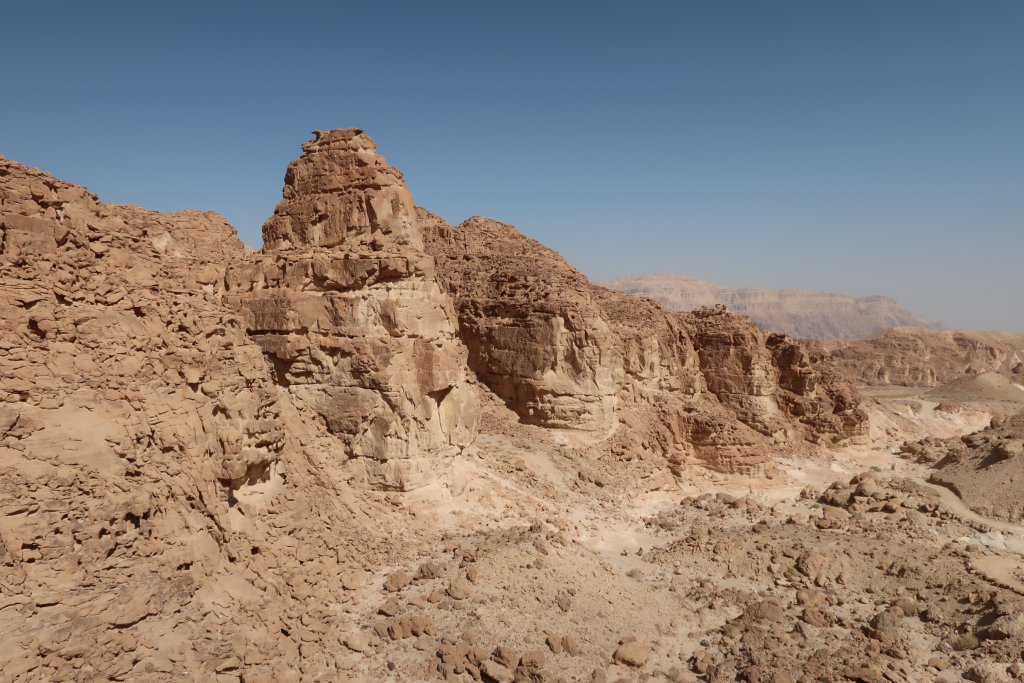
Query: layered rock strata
(918,357)
(345,304)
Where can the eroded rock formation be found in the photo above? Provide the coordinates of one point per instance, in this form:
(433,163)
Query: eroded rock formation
(772,381)
(535,335)
(564,353)
(153,471)
(920,357)
(196,438)
(344,302)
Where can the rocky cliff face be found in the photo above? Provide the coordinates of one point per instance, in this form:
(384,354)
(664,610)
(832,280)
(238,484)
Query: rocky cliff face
(799,313)
(535,335)
(704,387)
(204,447)
(344,302)
(165,512)
(777,385)
(924,358)
(667,408)
(709,387)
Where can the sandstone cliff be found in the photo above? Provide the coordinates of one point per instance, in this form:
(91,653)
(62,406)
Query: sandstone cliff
(165,513)
(345,304)
(561,352)
(216,460)
(799,313)
(925,358)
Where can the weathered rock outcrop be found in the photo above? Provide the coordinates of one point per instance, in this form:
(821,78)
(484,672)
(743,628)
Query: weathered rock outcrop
(710,386)
(164,511)
(344,302)
(182,422)
(919,357)
(534,333)
(667,409)
(800,313)
(737,366)
(770,380)
(707,386)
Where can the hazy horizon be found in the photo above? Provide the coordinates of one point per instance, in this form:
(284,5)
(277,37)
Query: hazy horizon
(864,148)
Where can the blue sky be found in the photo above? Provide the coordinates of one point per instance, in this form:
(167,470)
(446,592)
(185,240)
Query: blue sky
(865,147)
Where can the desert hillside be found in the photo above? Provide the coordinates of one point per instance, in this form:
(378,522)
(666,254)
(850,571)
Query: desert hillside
(799,313)
(927,358)
(384,447)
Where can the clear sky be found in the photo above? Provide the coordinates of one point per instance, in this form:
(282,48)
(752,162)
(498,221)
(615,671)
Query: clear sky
(866,147)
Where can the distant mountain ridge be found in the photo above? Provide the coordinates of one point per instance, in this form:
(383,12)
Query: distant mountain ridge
(915,357)
(799,313)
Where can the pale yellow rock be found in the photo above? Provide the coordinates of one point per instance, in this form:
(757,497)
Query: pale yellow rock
(345,304)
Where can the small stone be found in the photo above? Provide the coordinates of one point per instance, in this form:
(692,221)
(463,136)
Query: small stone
(358,642)
(1007,626)
(397,581)
(459,589)
(633,654)
(908,606)
(389,608)
(496,671)
(532,659)
(506,656)
(353,580)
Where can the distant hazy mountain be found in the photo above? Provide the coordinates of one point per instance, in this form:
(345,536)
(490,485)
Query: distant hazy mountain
(799,313)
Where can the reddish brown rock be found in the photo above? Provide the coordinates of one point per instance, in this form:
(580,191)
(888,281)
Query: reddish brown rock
(701,387)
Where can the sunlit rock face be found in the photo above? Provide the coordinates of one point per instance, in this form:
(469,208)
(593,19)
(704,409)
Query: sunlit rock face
(535,335)
(345,304)
(342,194)
(705,387)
